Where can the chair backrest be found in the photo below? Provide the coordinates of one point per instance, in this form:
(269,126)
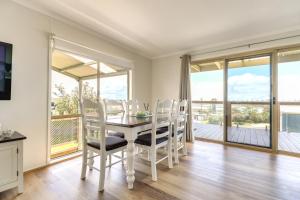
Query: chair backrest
(132,106)
(181,116)
(93,115)
(114,107)
(161,118)
(175,108)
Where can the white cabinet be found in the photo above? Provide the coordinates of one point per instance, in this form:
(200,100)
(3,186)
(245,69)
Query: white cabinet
(11,165)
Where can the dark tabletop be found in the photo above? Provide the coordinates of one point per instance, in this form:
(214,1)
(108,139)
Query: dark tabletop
(15,136)
(128,121)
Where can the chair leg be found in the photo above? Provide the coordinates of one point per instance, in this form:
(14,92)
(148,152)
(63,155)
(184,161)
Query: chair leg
(148,155)
(176,150)
(122,157)
(102,172)
(84,163)
(109,160)
(184,149)
(153,164)
(170,157)
(91,160)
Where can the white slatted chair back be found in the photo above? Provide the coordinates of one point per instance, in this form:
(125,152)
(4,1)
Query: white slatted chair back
(181,116)
(93,115)
(132,106)
(175,108)
(180,120)
(161,118)
(114,107)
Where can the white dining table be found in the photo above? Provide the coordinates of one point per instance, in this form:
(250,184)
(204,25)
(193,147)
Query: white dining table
(130,126)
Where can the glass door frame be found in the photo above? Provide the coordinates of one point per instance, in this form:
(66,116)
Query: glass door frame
(275,117)
(273,100)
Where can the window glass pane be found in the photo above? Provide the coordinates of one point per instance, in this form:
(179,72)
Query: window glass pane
(114,87)
(249,79)
(207,81)
(89,89)
(207,97)
(248,101)
(64,100)
(289,100)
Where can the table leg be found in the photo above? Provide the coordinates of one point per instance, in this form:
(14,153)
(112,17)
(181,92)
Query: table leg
(130,163)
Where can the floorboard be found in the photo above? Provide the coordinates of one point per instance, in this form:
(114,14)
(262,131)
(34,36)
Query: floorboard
(209,172)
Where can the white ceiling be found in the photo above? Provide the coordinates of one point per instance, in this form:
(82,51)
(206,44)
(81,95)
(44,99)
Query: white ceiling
(162,27)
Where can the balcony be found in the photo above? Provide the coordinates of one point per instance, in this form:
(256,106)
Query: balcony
(65,135)
(245,129)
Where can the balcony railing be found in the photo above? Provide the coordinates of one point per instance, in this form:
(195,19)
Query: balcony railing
(211,112)
(65,135)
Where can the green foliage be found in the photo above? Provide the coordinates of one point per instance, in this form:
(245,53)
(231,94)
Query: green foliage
(68,104)
(88,91)
(250,114)
(215,119)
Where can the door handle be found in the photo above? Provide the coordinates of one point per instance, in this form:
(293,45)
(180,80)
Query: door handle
(274,100)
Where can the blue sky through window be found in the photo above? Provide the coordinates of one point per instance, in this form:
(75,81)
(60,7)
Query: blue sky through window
(248,83)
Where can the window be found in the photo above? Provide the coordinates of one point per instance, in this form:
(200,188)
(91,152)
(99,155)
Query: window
(114,87)
(207,97)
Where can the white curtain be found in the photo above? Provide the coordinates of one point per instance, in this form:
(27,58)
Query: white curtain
(185,92)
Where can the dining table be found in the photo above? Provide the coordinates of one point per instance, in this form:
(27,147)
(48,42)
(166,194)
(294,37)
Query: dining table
(130,126)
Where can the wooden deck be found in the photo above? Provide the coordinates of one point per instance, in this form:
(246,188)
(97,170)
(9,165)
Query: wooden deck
(287,141)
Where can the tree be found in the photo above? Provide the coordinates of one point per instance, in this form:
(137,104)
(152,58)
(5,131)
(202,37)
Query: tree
(68,104)
(88,91)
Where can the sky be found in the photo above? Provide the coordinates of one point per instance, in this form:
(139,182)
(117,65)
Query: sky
(110,87)
(248,83)
(244,84)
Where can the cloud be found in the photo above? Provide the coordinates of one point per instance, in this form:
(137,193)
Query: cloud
(248,87)
(207,90)
(288,88)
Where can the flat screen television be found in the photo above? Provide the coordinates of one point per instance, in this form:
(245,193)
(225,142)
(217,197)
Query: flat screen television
(5,70)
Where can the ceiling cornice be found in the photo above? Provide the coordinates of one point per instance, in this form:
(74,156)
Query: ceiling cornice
(88,30)
(229,44)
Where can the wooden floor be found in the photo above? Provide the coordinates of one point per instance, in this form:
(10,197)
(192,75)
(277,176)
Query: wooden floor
(210,172)
(287,141)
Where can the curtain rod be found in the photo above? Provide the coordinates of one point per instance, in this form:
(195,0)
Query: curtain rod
(245,45)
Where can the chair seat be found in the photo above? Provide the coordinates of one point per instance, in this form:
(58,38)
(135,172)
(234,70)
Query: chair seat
(164,129)
(111,143)
(116,134)
(146,140)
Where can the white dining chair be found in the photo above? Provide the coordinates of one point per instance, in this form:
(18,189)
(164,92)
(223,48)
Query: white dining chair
(132,106)
(154,139)
(95,140)
(115,108)
(179,128)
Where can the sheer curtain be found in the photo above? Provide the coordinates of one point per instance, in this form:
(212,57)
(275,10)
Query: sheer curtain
(185,92)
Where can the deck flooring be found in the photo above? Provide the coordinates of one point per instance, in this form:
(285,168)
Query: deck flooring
(260,137)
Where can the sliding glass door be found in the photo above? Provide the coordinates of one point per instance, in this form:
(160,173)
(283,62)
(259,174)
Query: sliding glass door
(248,101)
(289,100)
(258,96)
(207,97)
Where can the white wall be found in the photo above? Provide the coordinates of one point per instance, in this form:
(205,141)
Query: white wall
(165,78)
(166,70)
(28,31)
